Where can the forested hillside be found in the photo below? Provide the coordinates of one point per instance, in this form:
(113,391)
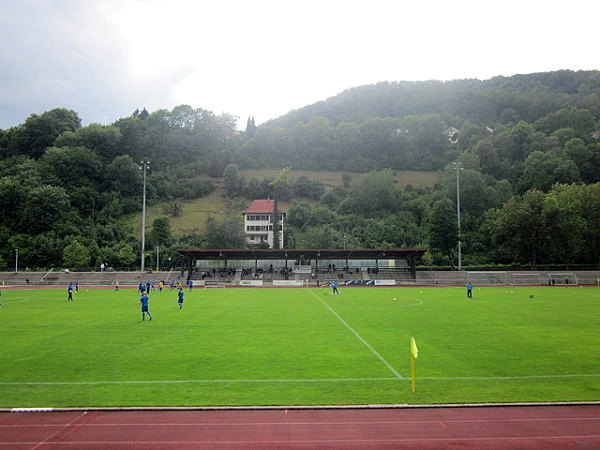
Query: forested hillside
(528,149)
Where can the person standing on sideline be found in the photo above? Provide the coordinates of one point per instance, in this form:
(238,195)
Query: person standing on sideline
(116,286)
(334,286)
(180,298)
(144,306)
(70,291)
(190,284)
(469,290)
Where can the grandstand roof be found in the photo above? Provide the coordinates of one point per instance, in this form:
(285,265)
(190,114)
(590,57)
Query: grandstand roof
(287,254)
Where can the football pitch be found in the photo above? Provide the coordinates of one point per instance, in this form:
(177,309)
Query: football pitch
(299,346)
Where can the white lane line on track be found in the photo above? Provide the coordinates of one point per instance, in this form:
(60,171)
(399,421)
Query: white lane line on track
(311,423)
(312,442)
(358,336)
(64,427)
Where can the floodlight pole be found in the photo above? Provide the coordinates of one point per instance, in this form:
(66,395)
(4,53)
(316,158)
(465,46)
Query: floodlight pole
(16,260)
(145,166)
(458,167)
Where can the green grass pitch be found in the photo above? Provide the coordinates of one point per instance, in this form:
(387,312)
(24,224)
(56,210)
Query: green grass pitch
(299,346)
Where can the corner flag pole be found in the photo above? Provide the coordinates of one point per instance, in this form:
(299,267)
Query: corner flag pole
(414,353)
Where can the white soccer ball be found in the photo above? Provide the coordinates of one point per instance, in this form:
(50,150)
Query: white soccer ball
(394,299)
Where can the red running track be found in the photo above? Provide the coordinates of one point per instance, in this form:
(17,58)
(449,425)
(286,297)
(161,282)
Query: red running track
(515,427)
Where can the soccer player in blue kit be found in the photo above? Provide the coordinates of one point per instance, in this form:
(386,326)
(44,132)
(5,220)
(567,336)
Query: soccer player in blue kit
(180,298)
(334,286)
(144,305)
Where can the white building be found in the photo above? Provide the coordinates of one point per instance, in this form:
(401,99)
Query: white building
(259,218)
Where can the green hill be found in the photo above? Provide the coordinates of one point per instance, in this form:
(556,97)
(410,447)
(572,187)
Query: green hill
(195,212)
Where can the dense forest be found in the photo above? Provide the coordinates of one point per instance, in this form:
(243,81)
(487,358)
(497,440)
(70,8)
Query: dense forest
(525,150)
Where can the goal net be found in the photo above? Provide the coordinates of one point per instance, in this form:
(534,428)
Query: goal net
(486,278)
(562,278)
(526,279)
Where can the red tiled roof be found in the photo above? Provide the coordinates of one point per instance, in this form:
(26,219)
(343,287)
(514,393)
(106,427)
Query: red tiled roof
(260,207)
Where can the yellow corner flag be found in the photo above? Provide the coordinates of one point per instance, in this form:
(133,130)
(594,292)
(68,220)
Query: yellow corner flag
(414,354)
(414,351)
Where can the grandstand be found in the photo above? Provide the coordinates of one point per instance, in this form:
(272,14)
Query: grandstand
(233,277)
(100,279)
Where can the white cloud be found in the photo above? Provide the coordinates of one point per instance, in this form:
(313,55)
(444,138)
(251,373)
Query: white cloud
(263,58)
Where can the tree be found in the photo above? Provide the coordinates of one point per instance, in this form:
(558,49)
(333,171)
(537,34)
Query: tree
(591,213)
(250,127)
(520,228)
(71,167)
(305,187)
(477,192)
(443,231)
(563,211)
(125,254)
(161,231)
(541,170)
(299,215)
(233,180)
(375,193)
(321,236)
(586,158)
(395,231)
(124,177)
(39,132)
(102,140)
(76,255)
(346,180)
(280,184)
(228,233)
(43,208)
(13,193)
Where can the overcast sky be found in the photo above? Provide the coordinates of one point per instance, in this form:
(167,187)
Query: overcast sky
(105,58)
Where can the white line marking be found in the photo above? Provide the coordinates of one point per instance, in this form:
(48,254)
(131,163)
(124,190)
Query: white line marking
(307,380)
(269,442)
(358,336)
(419,302)
(11,302)
(290,380)
(516,377)
(325,423)
(59,430)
